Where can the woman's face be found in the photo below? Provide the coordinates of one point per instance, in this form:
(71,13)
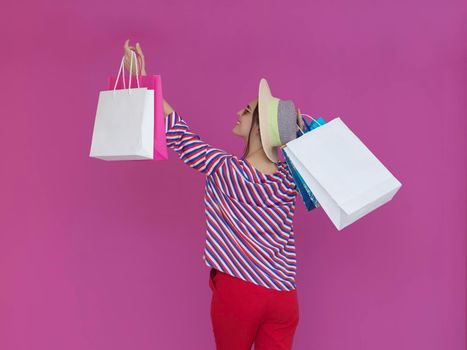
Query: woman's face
(244,119)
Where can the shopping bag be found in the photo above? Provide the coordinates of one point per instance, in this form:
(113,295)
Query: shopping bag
(306,194)
(345,176)
(308,198)
(314,123)
(124,123)
(152,82)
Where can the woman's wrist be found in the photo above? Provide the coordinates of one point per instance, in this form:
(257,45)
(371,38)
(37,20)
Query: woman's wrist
(167,108)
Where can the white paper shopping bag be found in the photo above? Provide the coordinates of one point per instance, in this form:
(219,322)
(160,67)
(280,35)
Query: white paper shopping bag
(124,123)
(344,175)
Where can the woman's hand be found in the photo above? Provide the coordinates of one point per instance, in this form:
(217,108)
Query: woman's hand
(139,56)
(301,123)
(141,67)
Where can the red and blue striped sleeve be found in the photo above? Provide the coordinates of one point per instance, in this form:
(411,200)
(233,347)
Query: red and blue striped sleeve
(190,148)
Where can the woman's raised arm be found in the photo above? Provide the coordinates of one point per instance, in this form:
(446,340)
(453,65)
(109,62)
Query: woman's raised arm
(140,56)
(190,148)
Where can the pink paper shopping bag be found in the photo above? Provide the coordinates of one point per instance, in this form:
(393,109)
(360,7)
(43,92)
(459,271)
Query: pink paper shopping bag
(152,82)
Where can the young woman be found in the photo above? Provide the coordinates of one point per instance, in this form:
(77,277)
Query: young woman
(250,204)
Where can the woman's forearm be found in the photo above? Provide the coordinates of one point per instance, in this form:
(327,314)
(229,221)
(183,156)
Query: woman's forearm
(167,108)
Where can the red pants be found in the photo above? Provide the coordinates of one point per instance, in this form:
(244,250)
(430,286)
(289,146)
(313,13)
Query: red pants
(243,313)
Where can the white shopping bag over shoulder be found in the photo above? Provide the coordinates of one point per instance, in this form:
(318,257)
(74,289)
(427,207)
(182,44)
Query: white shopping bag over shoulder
(344,175)
(124,123)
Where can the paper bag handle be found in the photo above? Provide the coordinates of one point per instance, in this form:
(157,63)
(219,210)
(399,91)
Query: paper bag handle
(122,70)
(306,115)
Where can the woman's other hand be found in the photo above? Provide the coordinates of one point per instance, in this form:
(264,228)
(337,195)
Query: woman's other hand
(301,123)
(139,55)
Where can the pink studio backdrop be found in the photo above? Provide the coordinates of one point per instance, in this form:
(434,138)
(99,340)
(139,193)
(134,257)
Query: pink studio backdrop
(108,255)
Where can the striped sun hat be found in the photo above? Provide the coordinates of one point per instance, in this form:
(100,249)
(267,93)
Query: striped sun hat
(277,121)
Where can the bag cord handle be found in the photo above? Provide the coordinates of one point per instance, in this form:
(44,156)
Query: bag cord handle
(122,70)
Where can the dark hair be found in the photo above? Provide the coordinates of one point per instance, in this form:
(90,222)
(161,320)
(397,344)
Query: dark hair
(254,120)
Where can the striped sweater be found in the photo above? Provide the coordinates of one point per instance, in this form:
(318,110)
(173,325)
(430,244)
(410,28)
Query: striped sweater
(249,214)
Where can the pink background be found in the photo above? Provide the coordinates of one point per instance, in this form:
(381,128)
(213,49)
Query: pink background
(108,255)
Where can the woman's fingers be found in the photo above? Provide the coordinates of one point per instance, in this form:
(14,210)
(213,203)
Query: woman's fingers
(138,55)
(301,123)
(126,45)
(128,49)
(138,50)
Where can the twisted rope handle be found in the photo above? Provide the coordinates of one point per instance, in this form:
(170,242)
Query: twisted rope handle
(122,70)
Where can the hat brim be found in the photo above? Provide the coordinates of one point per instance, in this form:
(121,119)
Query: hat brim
(264,101)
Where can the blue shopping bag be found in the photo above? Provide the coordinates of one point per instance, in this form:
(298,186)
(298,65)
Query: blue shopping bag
(309,199)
